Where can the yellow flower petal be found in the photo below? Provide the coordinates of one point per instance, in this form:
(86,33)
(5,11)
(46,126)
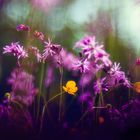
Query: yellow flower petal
(137,86)
(64,88)
(71,87)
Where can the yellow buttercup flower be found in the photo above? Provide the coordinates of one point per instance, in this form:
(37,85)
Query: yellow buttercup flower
(137,86)
(70,87)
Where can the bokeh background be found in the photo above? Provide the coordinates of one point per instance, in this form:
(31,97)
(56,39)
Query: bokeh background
(115,23)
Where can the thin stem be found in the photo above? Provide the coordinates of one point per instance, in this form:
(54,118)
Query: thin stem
(17,103)
(88,112)
(40,89)
(45,106)
(61,97)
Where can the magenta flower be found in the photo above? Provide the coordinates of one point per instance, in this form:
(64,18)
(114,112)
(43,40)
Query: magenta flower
(117,77)
(51,49)
(138,61)
(86,42)
(92,50)
(82,65)
(16,49)
(23,89)
(23,27)
(101,55)
(100,85)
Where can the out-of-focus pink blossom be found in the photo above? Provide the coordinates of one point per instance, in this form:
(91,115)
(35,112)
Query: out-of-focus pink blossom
(87,41)
(86,79)
(23,27)
(49,76)
(46,5)
(16,49)
(138,61)
(23,89)
(68,59)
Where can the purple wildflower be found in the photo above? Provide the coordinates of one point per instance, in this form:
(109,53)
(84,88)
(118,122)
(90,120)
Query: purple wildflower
(117,77)
(16,49)
(23,27)
(101,55)
(93,51)
(23,89)
(82,65)
(100,85)
(51,49)
(87,41)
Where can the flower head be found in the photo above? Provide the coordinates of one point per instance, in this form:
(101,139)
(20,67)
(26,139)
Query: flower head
(91,50)
(82,65)
(16,49)
(70,87)
(100,85)
(87,41)
(23,27)
(116,76)
(51,49)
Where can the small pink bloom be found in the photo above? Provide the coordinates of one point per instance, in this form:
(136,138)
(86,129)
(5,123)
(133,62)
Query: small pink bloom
(23,27)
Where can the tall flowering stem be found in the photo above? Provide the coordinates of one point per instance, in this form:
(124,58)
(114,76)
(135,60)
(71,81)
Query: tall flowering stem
(61,90)
(40,88)
(45,106)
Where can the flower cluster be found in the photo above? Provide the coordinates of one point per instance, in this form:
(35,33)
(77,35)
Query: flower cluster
(16,49)
(98,74)
(50,49)
(117,77)
(100,85)
(23,89)
(93,52)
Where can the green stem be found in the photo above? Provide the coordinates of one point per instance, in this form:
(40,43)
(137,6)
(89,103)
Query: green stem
(40,88)
(61,96)
(45,106)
